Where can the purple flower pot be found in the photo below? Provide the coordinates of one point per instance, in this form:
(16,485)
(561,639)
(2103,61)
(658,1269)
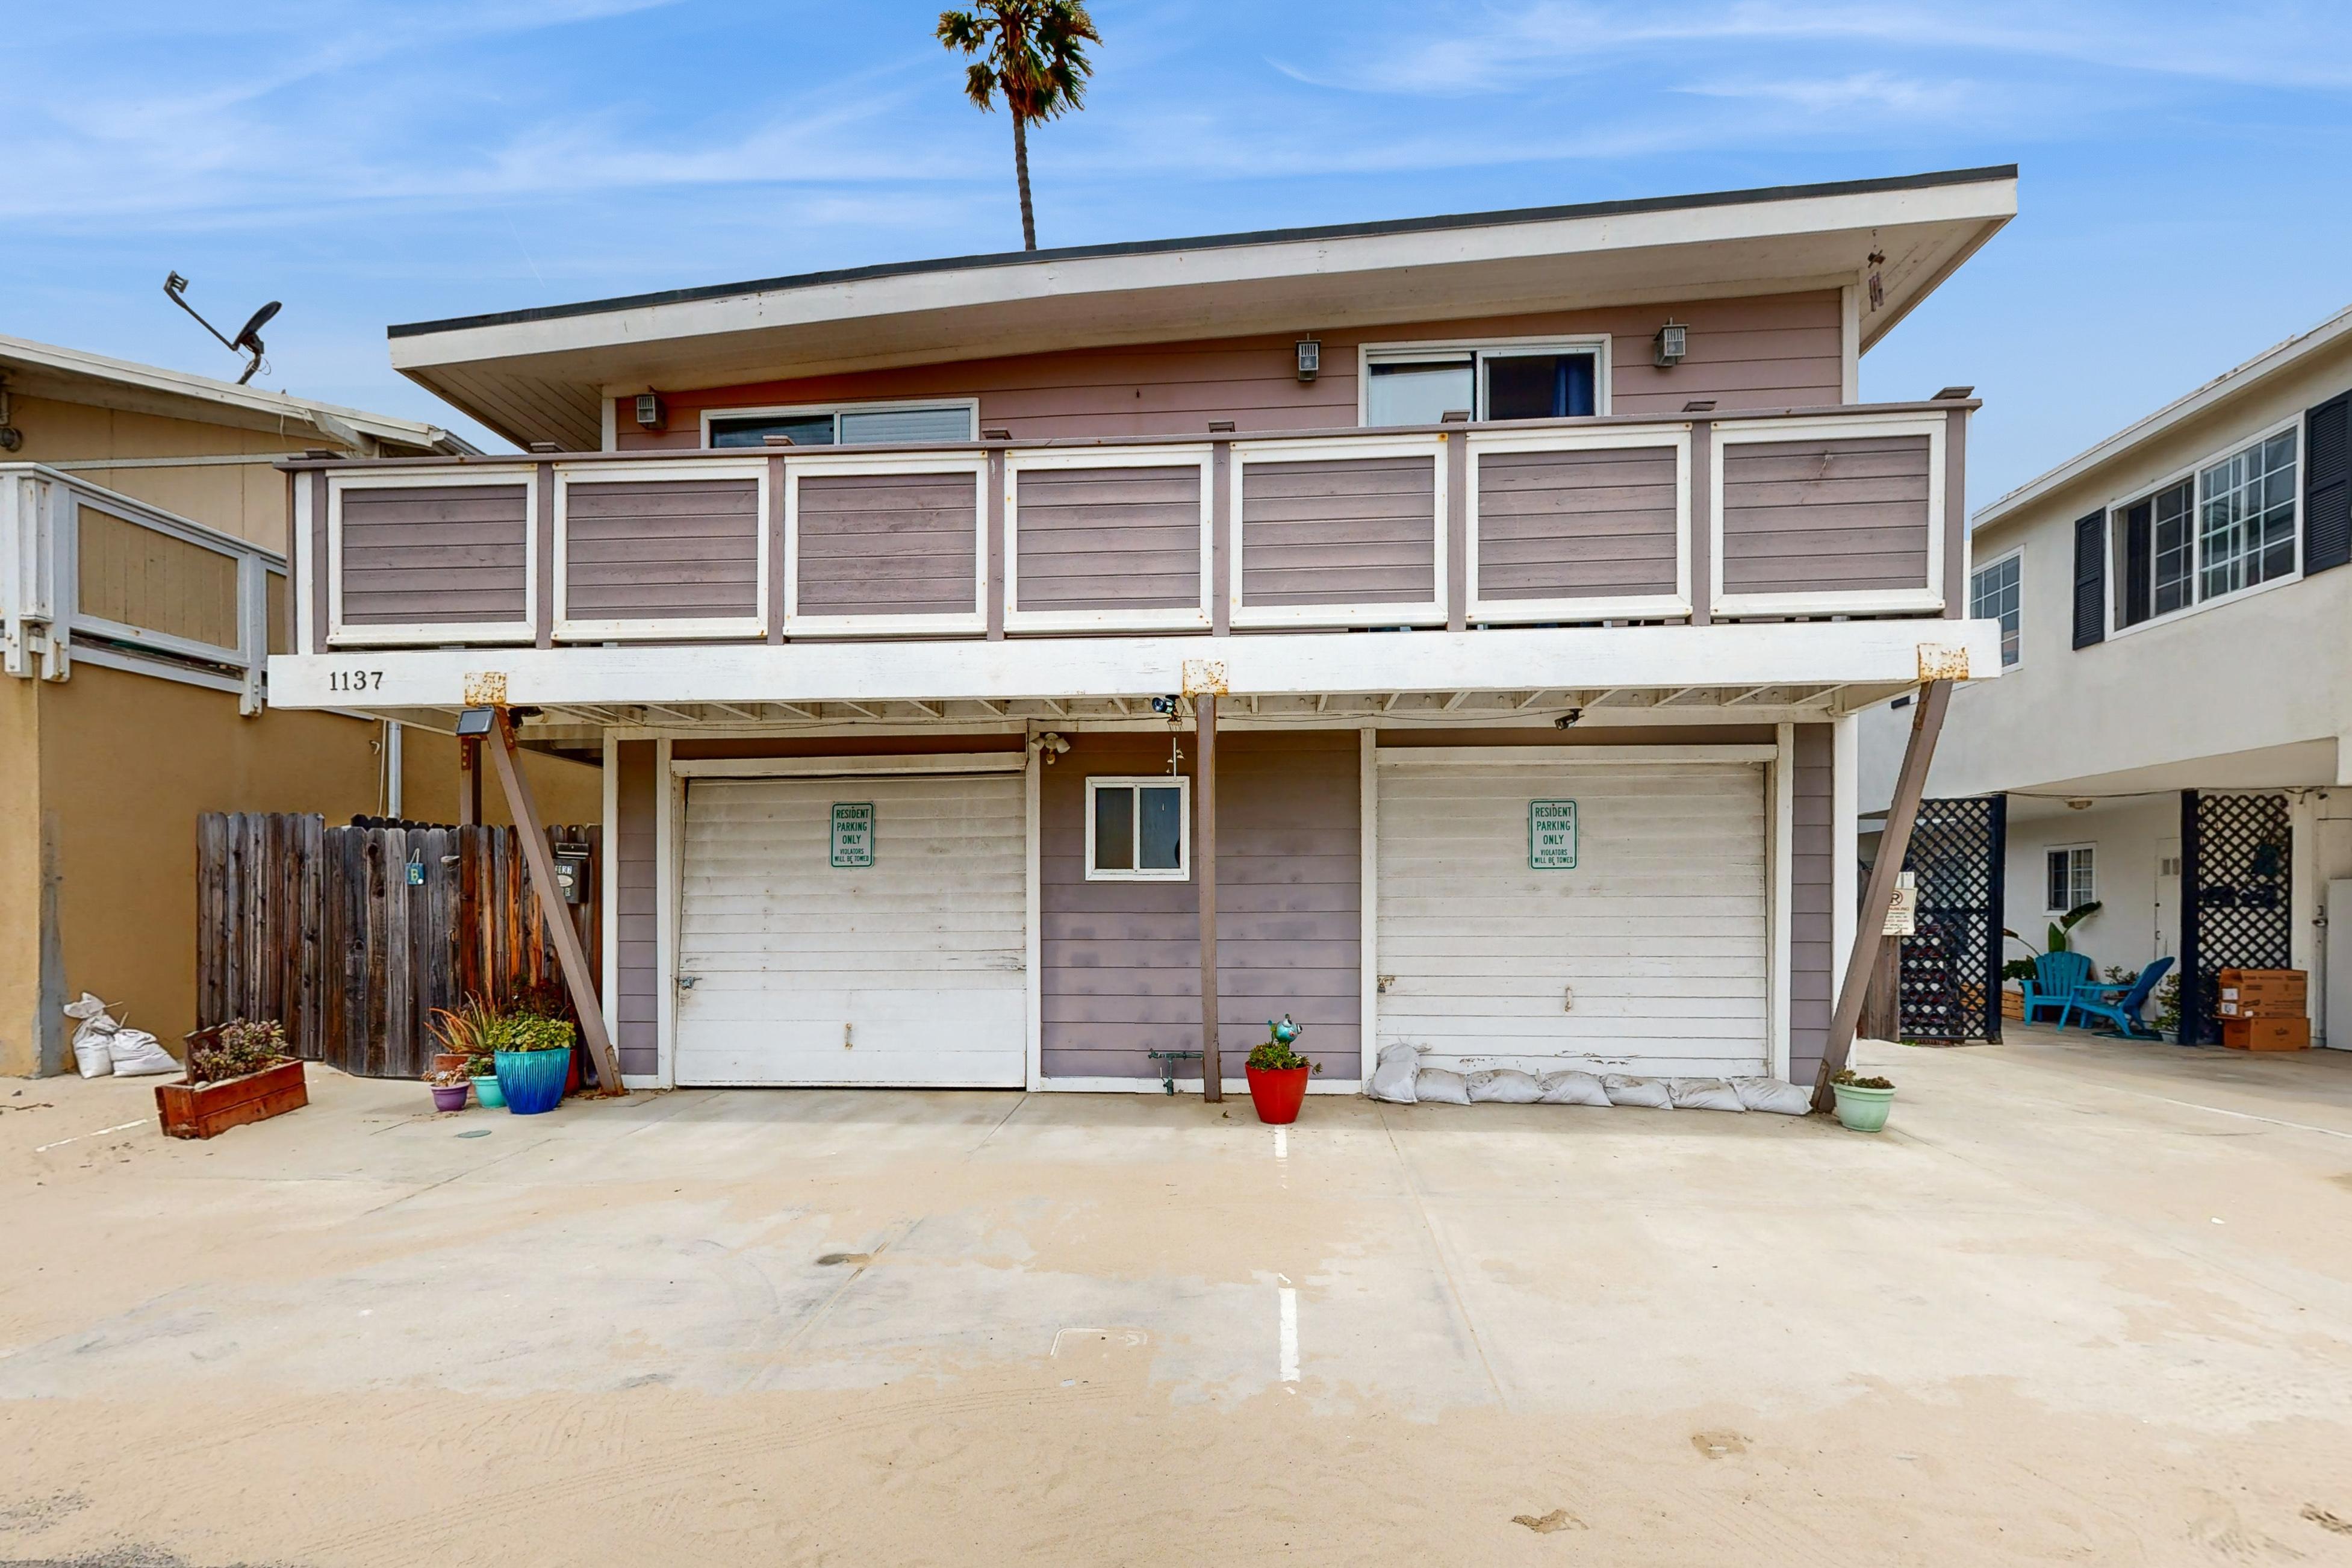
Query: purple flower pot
(451,1097)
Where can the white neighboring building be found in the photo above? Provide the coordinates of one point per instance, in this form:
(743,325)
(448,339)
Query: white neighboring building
(2172,622)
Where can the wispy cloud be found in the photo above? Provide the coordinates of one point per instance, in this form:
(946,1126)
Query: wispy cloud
(1512,47)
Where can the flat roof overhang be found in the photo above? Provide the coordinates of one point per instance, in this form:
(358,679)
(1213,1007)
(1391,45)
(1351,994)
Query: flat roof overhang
(541,374)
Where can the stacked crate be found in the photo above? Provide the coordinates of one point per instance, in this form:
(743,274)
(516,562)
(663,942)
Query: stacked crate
(2264,1010)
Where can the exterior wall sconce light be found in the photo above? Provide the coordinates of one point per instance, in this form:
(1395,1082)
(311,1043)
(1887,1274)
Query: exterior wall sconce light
(1672,342)
(1310,359)
(651,415)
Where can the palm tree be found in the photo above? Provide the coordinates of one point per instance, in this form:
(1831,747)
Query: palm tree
(1035,53)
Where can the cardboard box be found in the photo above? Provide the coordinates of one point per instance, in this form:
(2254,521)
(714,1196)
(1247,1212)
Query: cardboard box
(2254,1004)
(2266,1034)
(2277,980)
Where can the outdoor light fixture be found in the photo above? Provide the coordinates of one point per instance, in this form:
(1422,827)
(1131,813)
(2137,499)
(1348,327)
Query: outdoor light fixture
(475,720)
(1050,744)
(1672,342)
(2079,804)
(1310,359)
(651,415)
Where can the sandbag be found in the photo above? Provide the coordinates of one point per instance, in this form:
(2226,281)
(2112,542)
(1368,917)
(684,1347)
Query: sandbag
(1439,1087)
(1392,1077)
(1703,1094)
(1647,1092)
(137,1054)
(1504,1085)
(1774,1095)
(1572,1088)
(92,1037)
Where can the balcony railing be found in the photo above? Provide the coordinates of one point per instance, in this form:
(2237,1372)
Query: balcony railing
(88,570)
(1848,511)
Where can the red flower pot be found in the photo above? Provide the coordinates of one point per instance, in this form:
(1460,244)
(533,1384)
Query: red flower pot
(1277,1092)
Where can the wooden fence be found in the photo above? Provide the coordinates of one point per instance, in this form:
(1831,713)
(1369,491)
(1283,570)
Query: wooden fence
(331,932)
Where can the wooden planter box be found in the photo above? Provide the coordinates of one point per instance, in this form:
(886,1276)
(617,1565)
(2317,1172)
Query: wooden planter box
(203,1109)
(2012,1004)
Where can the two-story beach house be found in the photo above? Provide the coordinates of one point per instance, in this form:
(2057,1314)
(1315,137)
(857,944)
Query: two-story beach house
(2170,732)
(1523,573)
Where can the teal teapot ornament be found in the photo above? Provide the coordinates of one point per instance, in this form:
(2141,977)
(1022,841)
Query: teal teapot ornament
(1284,1033)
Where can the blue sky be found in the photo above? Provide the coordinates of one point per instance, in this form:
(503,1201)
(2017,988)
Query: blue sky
(2184,200)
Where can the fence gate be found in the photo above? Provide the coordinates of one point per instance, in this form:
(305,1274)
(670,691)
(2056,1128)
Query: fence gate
(352,936)
(2237,888)
(1951,964)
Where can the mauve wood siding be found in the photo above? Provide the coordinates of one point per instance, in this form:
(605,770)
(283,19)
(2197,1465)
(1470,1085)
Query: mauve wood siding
(433,555)
(1825,515)
(637,970)
(1122,965)
(1348,530)
(661,550)
(1811,863)
(1109,539)
(1777,351)
(890,544)
(1561,525)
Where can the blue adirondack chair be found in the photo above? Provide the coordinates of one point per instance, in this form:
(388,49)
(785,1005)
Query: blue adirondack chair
(2095,1001)
(2055,976)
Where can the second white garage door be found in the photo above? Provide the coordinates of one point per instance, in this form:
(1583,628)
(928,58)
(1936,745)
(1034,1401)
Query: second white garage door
(906,972)
(1649,956)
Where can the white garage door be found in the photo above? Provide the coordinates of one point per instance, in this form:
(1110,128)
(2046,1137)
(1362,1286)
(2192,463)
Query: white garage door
(908,971)
(1650,955)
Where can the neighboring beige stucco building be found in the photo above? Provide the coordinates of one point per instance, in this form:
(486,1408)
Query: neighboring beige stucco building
(111,745)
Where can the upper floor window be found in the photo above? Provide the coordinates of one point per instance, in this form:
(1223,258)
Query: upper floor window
(1993,595)
(1421,385)
(844,424)
(2229,526)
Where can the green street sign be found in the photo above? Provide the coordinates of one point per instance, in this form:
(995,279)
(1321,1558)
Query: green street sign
(853,834)
(1552,834)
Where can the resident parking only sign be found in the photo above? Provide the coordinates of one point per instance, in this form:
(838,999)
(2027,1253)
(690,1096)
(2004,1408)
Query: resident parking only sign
(853,834)
(1552,834)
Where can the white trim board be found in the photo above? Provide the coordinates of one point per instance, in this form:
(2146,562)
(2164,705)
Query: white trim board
(848,767)
(1821,653)
(1571,756)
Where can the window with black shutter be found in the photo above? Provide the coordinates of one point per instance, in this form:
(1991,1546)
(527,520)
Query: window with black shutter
(2090,579)
(2327,486)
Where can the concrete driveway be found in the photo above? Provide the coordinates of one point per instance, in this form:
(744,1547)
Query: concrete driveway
(2082,1301)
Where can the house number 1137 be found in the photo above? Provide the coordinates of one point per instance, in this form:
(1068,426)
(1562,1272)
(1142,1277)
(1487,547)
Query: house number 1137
(355,680)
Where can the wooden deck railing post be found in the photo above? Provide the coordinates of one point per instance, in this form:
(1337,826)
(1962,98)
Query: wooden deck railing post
(569,954)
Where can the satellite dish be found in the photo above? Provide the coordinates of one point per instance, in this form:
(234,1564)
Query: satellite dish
(249,335)
(249,338)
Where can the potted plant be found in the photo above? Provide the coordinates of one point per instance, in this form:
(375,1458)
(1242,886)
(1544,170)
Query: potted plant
(484,1072)
(1861,1102)
(449,1086)
(1278,1074)
(238,1072)
(534,1059)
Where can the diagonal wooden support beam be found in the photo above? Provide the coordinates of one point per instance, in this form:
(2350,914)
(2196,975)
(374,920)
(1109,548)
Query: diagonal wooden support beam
(540,862)
(1926,722)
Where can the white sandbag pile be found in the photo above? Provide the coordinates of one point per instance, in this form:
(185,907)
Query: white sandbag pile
(1400,1078)
(102,1047)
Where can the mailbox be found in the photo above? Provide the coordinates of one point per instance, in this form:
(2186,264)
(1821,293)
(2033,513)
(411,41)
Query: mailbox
(572,862)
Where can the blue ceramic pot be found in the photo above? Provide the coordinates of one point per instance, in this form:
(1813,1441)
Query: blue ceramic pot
(532,1081)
